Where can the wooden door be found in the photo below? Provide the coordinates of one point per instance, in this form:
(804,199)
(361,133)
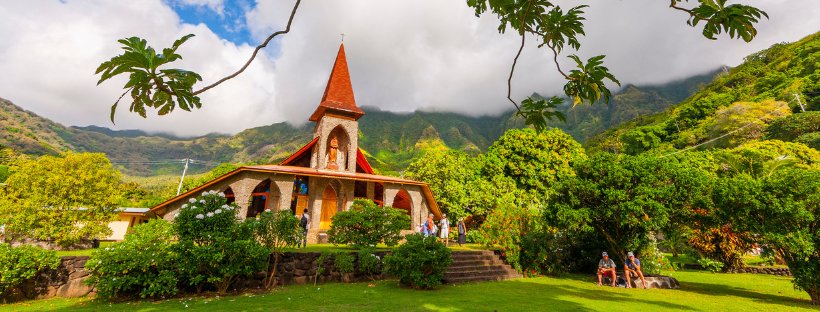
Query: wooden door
(328,207)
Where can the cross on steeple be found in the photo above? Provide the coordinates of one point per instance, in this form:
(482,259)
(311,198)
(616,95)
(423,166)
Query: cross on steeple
(343,37)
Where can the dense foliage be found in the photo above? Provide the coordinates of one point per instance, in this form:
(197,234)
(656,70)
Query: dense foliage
(624,199)
(783,211)
(142,265)
(213,246)
(369,263)
(367,224)
(419,263)
(506,227)
(19,263)
(276,231)
(61,198)
(454,181)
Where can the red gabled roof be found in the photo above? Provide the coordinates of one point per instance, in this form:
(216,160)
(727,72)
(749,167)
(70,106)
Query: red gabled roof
(305,149)
(362,161)
(339,91)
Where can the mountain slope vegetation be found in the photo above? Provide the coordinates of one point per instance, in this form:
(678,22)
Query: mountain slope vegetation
(762,91)
(391,140)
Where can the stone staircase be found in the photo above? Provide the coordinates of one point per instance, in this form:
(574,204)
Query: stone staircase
(477,266)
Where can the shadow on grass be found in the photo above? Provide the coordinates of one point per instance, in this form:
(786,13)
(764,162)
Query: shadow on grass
(724,290)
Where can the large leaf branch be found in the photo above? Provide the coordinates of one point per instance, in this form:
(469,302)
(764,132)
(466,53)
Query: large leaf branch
(163,89)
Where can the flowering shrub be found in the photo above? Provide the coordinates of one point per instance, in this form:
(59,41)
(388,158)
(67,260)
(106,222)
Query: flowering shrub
(368,224)
(142,265)
(473,236)
(722,244)
(542,252)
(652,260)
(504,227)
(369,263)
(711,265)
(419,263)
(19,263)
(214,247)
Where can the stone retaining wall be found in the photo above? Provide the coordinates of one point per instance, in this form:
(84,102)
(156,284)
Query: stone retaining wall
(294,268)
(65,281)
(756,270)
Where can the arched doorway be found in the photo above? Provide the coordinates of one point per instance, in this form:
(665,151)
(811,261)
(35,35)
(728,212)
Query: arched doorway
(264,196)
(229,195)
(402,201)
(329,207)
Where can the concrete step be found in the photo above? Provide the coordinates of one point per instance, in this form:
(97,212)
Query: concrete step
(472,258)
(454,268)
(457,280)
(502,272)
(477,263)
(471,253)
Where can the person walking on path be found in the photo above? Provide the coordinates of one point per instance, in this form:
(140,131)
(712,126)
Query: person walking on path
(462,232)
(303,223)
(633,266)
(445,229)
(606,267)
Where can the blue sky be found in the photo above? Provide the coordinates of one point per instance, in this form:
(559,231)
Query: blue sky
(229,23)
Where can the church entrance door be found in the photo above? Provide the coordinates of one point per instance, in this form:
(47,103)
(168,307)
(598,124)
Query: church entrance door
(329,204)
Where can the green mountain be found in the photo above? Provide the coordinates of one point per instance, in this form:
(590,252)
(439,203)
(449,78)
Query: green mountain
(753,94)
(391,140)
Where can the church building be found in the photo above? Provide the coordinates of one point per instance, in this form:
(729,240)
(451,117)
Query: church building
(324,176)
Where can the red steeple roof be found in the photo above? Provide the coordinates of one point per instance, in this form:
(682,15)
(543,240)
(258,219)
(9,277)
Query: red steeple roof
(338,95)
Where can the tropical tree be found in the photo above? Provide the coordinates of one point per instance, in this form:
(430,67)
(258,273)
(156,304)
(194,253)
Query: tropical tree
(531,161)
(61,198)
(367,224)
(164,89)
(276,231)
(783,211)
(625,199)
(454,180)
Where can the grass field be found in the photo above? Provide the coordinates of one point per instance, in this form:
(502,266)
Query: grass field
(700,291)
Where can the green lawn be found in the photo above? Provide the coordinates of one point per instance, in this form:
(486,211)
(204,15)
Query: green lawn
(84,252)
(701,291)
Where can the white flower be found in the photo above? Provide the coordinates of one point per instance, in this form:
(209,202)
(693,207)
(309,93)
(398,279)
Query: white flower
(106,248)
(204,193)
(200,216)
(202,201)
(218,211)
(225,206)
(99,262)
(211,192)
(221,194)
(175,215)
(115,279)
(184,206)
(192,200)
(210,214)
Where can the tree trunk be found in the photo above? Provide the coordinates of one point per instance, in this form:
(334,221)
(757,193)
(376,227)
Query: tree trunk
(271,280)
(815,297)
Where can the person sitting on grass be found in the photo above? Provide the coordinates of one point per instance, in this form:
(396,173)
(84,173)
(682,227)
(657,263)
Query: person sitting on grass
(633,266)
(606,267)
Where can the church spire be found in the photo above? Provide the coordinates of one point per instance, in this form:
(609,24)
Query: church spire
(338,96)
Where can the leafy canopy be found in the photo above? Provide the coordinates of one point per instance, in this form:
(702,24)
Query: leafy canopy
(64,198)
(366,224)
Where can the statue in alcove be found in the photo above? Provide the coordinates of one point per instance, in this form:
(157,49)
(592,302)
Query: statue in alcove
(333,154)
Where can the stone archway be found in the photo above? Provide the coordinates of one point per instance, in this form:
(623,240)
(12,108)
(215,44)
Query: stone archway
(265,196)
(229,195)
(403,201)
(329,206)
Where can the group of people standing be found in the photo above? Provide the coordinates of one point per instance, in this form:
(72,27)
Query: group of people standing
(429,228)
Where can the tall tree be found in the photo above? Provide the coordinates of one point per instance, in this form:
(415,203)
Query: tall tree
(783,211)
(63,198)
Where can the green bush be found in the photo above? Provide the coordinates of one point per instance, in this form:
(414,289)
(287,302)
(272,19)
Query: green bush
(793,126)
(142,265)
(711,265)
(344,262)
(369,263)
(276,232)
(213,246)
(367,224)
(810,139)
(19,263)
(419,263)
(543,252)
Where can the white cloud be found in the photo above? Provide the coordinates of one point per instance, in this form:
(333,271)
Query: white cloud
(403,55)
(217,6)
